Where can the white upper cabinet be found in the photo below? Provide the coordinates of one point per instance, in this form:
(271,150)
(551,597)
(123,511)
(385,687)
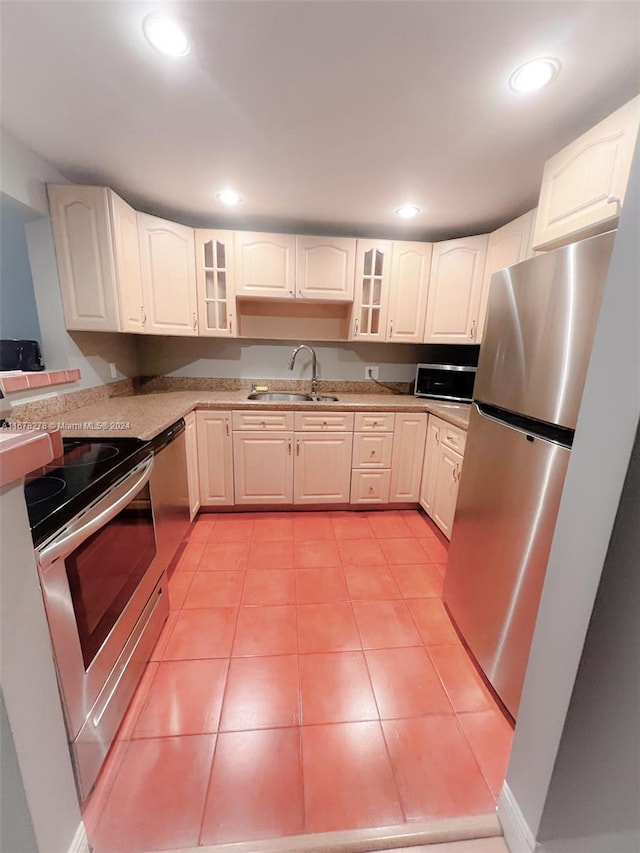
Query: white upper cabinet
(83,238)
(167,259)
(325,268)
(126,248)
(215,281)
(583,186)
(371,295)
(507,246)
(409,286)
(265,265)
(455,284)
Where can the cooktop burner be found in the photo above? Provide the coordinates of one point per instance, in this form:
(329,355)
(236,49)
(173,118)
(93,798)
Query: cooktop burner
(69,483)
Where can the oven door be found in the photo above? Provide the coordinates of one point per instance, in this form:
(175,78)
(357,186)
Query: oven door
(97,576)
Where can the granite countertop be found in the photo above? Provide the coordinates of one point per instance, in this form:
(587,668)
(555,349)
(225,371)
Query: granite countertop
(146,415)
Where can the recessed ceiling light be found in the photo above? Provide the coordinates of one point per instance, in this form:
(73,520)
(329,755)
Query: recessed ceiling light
(230,197)
(534,75)
(408,211)
(166,36)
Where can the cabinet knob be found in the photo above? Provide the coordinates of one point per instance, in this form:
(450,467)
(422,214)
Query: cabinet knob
(292,294)
(373,454)
(370,490)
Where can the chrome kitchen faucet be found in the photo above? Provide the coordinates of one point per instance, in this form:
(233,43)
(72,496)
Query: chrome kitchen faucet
(314,365)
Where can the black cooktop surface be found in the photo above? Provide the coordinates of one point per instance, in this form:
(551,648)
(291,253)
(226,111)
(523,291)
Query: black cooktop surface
(69,483)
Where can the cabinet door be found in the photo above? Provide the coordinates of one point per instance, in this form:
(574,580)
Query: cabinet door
(430,467)
(167,259)
(263,467)
(410,268)
(193,473)
(82,236)
(214,277)
(507,246)
(215,458)
(325,268)
(454,290)
(371,295)
(583,186)
(407,457)
(322,470)
(446,489)
(265,265)
(126,249)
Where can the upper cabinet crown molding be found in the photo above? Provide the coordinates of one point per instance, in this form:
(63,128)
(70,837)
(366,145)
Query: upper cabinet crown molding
(583,186)
(167,260)
(84,243)
(455,284)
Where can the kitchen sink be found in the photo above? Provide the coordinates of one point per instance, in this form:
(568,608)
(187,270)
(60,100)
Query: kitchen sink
(284,398)
(268,397)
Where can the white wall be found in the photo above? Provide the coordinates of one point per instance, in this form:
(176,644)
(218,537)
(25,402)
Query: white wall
(18,313)
(605,434)
(593,802)
(24,179)
(91,352)
(202,357)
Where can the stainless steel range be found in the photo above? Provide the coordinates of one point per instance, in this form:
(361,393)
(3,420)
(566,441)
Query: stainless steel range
(104,587)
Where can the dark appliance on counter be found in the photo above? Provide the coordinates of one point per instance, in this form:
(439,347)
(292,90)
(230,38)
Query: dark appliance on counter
(537,341)
(448,372)
(20,355)
(104,588)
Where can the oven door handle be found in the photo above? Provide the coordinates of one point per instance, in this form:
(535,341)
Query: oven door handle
(100,514)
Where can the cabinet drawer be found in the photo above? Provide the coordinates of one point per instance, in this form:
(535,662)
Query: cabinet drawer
(372,450)
(324,421)
(453,437)
(263,420)
(370,487)
(374,422)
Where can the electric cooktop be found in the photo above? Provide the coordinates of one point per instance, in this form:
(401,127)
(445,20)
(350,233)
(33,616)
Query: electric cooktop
(69,483)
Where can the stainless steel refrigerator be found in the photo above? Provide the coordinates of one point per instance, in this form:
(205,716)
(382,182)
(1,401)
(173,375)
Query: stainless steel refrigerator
(533,361)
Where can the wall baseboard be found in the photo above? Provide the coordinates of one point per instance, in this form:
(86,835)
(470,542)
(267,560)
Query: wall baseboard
(517,834)
(80,843)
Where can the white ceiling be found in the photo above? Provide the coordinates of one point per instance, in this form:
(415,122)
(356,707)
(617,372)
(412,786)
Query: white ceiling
(325,114)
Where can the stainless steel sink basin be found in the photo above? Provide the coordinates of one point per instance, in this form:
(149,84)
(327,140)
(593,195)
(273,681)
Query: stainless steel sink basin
(268,397)
(282,398)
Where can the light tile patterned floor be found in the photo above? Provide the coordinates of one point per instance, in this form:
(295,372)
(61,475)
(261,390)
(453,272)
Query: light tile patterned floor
(308,679)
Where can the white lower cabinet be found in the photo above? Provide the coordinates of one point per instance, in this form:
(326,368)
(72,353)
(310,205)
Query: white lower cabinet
(263,467)
(277,464)
(408,454)
(193,474)
(322,468)
(371,461)
(215,458)
(441,472)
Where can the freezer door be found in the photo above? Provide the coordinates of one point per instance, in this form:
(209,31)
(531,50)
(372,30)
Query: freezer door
(541,320)
(505,517)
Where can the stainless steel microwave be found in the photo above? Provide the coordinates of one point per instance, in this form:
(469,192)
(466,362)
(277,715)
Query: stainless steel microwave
(452,382)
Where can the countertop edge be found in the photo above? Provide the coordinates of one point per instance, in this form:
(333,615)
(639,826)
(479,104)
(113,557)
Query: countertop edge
(21,451)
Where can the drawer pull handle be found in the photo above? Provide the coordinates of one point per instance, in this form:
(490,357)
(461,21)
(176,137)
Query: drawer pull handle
(226,426)
(298,447)
(289,443)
